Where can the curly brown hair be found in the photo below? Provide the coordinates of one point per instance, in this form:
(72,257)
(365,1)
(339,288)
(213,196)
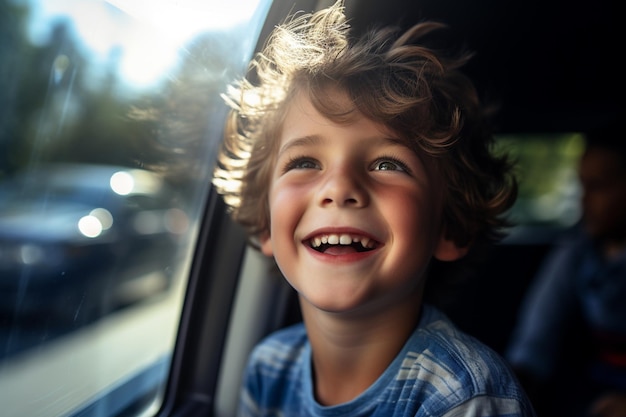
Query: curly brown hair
(416,91)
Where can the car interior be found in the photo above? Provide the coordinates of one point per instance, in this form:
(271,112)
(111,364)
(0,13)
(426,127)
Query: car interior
(552,68)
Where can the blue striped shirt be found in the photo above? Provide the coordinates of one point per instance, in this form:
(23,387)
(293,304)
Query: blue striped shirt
(440,371)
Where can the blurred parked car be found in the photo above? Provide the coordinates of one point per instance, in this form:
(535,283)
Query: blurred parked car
(71,234)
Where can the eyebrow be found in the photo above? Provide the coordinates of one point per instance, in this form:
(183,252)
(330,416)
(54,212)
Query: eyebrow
(316,140)
(392,140)
(297,142)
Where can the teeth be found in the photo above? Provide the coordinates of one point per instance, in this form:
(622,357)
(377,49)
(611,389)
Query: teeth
(345,240)
(342,239)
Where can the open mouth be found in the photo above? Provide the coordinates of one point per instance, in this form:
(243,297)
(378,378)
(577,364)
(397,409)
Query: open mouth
(342,242)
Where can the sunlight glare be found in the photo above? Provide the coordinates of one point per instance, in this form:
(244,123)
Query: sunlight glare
(142,38)
(122,183)
(90,226)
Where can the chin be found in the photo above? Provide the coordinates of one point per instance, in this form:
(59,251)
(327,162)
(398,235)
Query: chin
(334,302)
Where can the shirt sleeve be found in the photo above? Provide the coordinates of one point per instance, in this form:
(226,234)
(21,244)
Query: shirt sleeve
(486,406)
(546,311)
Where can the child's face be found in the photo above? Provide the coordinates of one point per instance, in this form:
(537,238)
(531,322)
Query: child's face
(604,200)
(360,185)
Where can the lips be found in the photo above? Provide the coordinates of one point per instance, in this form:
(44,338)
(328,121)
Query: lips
(342,243)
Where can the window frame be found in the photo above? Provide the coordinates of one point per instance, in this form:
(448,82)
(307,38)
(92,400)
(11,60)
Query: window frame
(209,305)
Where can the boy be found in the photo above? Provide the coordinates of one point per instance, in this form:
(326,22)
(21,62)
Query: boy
(354,162)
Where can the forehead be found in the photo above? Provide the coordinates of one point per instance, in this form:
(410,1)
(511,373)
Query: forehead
(306,116)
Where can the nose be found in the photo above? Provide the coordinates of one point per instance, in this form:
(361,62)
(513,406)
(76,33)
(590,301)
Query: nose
(343,187)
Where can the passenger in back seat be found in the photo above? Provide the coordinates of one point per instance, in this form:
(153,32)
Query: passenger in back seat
(569,347)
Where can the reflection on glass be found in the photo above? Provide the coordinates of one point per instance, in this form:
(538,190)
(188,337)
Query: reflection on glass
(111,114)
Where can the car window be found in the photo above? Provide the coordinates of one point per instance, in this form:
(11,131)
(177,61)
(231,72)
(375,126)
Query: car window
(546,166)
(111,118)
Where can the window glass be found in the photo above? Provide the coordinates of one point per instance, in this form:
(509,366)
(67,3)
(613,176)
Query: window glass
(111,117)
(549,191)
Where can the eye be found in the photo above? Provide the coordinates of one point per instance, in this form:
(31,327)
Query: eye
(301,163)
(389,164)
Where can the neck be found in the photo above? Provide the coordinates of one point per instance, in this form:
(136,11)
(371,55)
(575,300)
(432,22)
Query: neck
(351,352)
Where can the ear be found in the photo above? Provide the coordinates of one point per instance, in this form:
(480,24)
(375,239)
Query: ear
(265,241)
(448,250)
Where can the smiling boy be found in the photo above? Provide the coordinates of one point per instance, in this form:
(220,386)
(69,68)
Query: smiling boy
(354,163)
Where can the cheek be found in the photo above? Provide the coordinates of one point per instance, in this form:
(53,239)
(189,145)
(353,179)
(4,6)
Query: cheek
(281,200)
(415,215)
(286,207)
(598,205)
